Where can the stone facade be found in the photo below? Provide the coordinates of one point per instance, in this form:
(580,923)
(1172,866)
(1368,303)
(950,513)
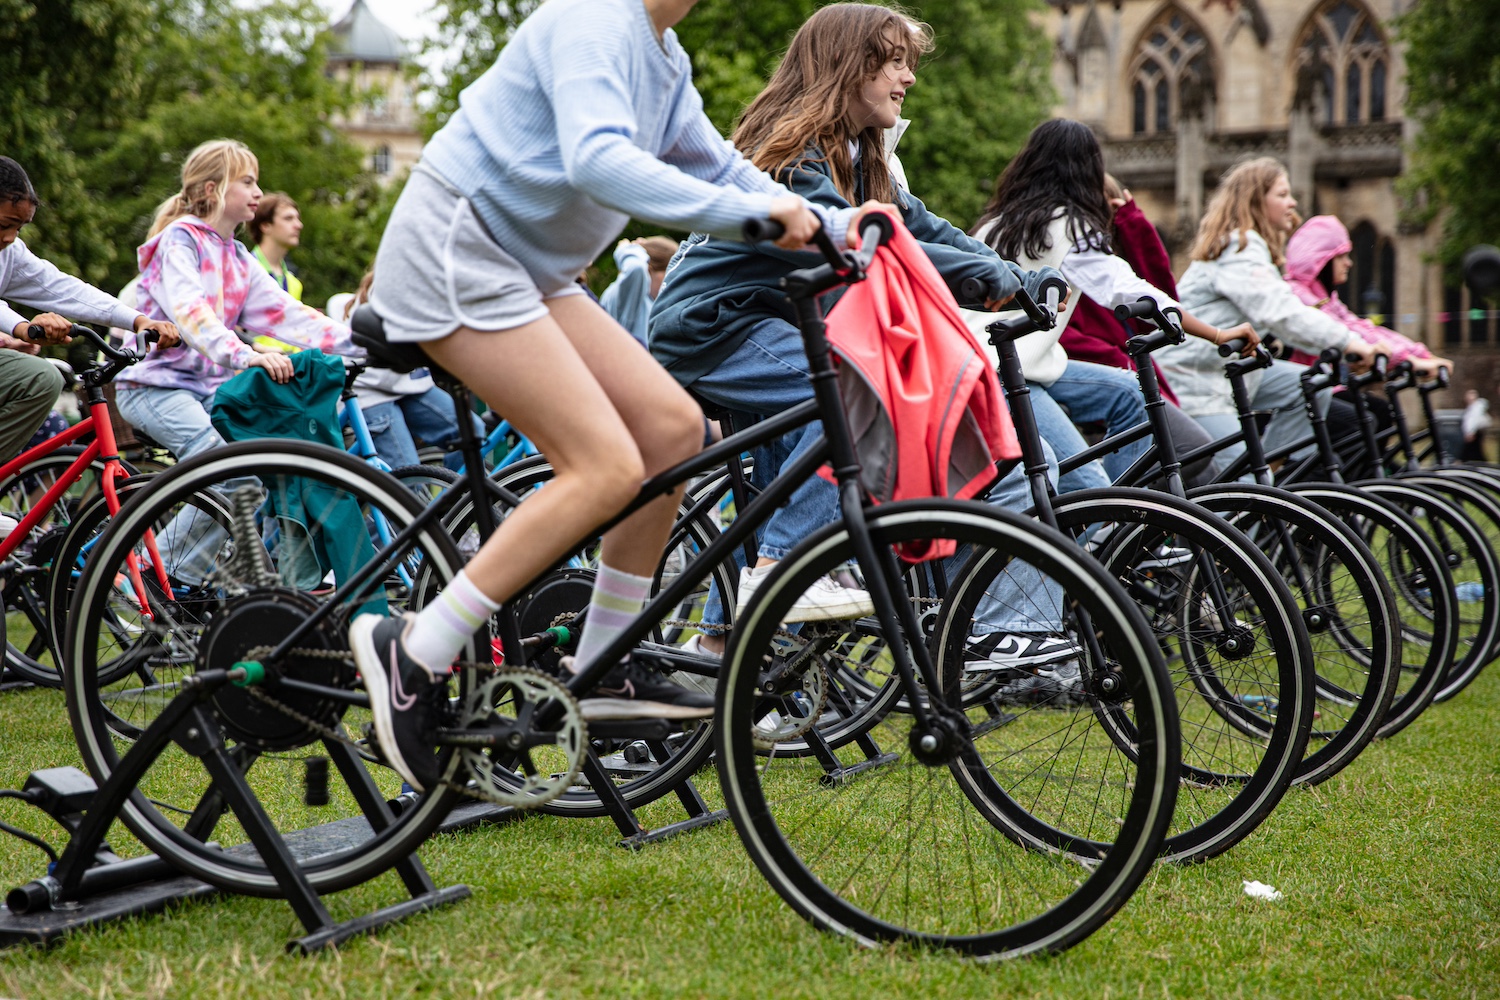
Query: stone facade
(1180,90)
(366,52)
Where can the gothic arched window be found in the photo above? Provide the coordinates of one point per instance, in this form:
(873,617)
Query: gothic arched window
(1172,72)
(1344,43)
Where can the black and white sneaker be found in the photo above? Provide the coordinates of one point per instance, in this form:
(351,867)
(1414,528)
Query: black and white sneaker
(633,692)
(1017,652)
(407,702)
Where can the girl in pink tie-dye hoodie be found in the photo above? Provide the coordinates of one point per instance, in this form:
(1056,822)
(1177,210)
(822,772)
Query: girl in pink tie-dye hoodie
(195,273)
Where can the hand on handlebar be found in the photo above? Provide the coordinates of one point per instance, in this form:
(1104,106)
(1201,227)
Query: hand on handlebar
(799,221)
(1245,331)
(1428,367)
(166,332)
(1361,355)
(57,329)
(278,366)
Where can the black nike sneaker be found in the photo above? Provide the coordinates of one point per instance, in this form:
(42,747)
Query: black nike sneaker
(405,699)
(632,692)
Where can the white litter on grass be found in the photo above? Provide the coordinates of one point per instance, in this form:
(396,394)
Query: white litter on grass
(1259,890)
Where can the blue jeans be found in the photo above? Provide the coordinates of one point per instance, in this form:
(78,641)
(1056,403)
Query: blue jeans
(1091,393)
(1020,599)
(178,420)
(1280,391)
(398,426)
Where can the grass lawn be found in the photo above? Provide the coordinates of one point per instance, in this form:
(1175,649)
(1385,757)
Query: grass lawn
(1391,877)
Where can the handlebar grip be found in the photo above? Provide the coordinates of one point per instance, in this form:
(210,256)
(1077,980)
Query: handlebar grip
(875,228)
(1235,346)
(1443,376)
(1139,309)
(36,333)
(762,230)
(972,290)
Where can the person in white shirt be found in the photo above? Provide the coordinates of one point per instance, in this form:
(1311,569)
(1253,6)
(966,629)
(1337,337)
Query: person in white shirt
(1049,209)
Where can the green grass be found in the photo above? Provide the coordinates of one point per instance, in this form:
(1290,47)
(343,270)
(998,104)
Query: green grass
(1390,873)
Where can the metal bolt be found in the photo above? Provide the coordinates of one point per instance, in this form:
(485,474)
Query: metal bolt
(928,743)
(515,740)
(192,733)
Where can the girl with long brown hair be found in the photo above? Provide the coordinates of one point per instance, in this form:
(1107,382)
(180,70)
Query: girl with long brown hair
(721,323)
(1235,277)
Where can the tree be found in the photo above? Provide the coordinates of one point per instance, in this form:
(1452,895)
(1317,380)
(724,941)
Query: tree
(114,93)
(1453,80)
(977,95)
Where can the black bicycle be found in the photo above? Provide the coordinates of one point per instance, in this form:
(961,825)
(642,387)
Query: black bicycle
(903,849)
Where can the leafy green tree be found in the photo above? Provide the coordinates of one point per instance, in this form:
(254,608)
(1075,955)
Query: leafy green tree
(1453,80)
(113,94)
(977,95)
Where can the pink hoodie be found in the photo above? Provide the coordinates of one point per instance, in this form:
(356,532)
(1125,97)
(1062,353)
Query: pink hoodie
(1318,241)
(208,286)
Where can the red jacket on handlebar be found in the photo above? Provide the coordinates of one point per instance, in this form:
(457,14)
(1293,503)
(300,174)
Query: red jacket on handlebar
(925,406)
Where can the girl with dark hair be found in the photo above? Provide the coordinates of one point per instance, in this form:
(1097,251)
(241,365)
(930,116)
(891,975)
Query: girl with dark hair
(1050,209)
(29,385)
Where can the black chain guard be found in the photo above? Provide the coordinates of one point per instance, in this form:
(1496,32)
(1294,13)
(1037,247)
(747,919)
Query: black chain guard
(260,618)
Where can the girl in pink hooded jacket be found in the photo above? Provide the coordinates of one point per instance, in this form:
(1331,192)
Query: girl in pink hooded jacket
(1318,259)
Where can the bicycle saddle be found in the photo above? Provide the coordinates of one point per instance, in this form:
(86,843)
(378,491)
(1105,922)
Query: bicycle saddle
(369,333)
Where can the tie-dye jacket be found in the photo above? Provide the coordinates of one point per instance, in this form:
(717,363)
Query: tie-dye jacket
(208,286)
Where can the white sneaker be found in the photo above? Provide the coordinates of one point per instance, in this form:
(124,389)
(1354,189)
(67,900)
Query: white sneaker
(7,525)
(825,600)
(1017,652)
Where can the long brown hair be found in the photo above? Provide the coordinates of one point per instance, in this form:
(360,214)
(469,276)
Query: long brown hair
(218,160)
(1240,205)
(807,102)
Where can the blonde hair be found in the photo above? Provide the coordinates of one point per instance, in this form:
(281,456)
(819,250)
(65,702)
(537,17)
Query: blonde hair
(1239,205)
(219,161)
(808,99)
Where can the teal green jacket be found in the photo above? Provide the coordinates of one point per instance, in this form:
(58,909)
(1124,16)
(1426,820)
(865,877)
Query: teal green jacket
(321,528)
(716,291)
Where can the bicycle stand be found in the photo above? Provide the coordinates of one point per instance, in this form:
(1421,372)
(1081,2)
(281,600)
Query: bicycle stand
(596,775)
(89,884)
(11,681)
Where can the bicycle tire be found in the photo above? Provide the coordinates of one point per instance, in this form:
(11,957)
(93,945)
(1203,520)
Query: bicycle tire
(842,882)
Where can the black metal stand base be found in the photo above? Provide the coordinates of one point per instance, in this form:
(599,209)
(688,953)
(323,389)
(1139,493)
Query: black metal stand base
(89,885)
(596,774)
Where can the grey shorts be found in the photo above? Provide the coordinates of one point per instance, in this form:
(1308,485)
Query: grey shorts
(439,269)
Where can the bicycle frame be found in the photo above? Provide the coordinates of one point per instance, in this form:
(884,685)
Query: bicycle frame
(835,448)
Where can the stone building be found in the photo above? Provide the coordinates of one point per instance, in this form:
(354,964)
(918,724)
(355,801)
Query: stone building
(366,51)
(1180,90)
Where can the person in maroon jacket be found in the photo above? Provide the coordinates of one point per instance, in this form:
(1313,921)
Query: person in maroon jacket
(1094,334)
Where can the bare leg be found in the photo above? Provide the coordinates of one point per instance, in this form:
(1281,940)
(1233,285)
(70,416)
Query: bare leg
(538,376)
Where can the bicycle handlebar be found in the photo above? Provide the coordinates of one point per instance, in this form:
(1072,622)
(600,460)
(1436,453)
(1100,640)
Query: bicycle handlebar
(121,355)
(875,229)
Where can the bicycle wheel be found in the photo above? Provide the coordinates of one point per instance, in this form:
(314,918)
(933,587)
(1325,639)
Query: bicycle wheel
(1238,654)
(296,508)
(910,848)
(28,613)
(1345,603)
(1471,563)
(1412,565)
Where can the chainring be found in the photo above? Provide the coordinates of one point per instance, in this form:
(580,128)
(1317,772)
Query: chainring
(510,774)
(805,686)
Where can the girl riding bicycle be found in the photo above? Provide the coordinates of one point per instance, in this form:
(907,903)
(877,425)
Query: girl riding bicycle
(1049,209)
(193,270)
(721,324)
(588,117)
(1235,278)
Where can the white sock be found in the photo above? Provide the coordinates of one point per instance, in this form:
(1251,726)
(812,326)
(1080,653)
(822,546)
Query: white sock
(618,597)
(444,626)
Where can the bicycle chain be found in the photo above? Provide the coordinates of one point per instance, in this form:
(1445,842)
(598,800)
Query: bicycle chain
(339,736)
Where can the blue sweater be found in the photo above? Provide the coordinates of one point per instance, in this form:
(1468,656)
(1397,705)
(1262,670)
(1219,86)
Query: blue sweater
(715,292)
(585,120)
